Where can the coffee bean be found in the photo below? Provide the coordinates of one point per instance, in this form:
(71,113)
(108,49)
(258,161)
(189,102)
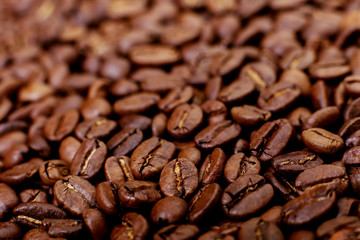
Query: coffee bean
(249,115)
(10,230)
(302,234)
(236,91)
(322,118)
(322,141)
(62,227)
(184,120)
(33,195)
(117,170)
(75,194)
(191,153)
(215,110)
(168,210)
(153,55)
(203,202)
(281,184)
(94,128)
(133,226)
(352,156)
(53,170)
(245,196)
(95,221)
(347,206)
(212,167)
(107,197)
(89,158)
(349,127)
(68,148)
(269,141)
(8,199)
(15,155)
(352,85)
(295,162)
(238,165)
(38,234)
(353,140)
(135,121)
(179,177)
(158,124)
(256,228)
(320,95)
(217,134)
(135,103)
(60,125)
(352,110)
(177,232)
(149,158)
(124,141)
(299,78)
(329,227)
(22,172)
(308,206)
(175,97)
(95,107)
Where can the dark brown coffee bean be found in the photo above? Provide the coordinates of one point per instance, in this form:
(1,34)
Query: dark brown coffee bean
(94,128)
(123,87)
(53,170)
(217,134)
(354,176)
(215,110)
(117,170)
(247,195)
(329,227)
(302,234)
(349,127)
(62,227)
(191,153)
(168,210)
(75,194)
(178,232)
(281,185)
(124,141)
(328,71)
(352,85)
(95,107)
(15,155)
(249,115)
(175,97)
(135,193)
(68,103)
(8,199)
(352,156)
(60,125)
(89,158)
(95,222)
(32,213)
(353,140)
(68,148)
(135,103)
(37,141)
(158,124)
(12,126)
(133,226)
(236,91)
(322,141)
(5,107)
(322,118)
(298,58)
(299,78)
(352,110)
(241,145)
(272,215)
(38,234)
(34,91)
(212,88)
(115,68)
(107,198)
(308,206)
(329,175)
(184,120)
(10,230)
(269,141)
(320,95)
(33,195)
(163,84)
(149,158)
(278,97)
(10,139)
(153,55)
(22,172)
(135,121)
(179,177)
(216,234)
(295,162)
(260,73)
(238,165)
(340,95)
(203,202)
(257,228)
(212,167)
(347,206)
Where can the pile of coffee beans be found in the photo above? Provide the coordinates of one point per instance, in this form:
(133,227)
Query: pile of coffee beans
(180,119)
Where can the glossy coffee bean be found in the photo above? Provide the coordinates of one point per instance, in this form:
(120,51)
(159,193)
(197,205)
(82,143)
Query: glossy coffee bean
(256,228)
(33,195)
(168,210)
(133,226)
(107,198)
(185,232)
(94,128)
(62,227)
(238,165)
(53,170)
(136,103)
(117,170)
(212,167)
(22,172)
(10,230)
(95,221)
(124,141)
(322,141)
(248,115)
(191,153)
(8,199)
(60,125)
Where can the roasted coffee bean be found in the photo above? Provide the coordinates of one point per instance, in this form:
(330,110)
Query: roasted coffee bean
(133,226)
(8,199)
(278,97)
(354,176)
(236,91)
(168,210)
(89,158)
(95,222)
(191,153)
(135,193)
(349,127)
(22,172)
(75,194)
(117,170)
(295,162)
(107,198)
(175,98)
(334,177)
(53,170)
(149,158)
(135,121)
(158,124)
(10,230)
(15,155)
(62,227)
(328,71)
(282,185)
(94,128)
(238,165)
(352,110)
(215,110)
(184,120)
(302,234)
(347,206)
(299,78)
(179,177)
(215,234)
(33,195)
(322,141)
(10,139)
(260,73)
(353,140)
(352,85)
(212,167)
(123,87)
(269,140)
(256,228)
(124,141)
(12,126)
(217,134)
(38,234)
(95,107)
(249,115)
(329,227)
(203,202)
(247,195)
(322,118)
(68,148)
(352,156)
(136,103)
(241,146)
(272,215)
(183,232)
(32,213)
(320,95)
(153,55)
(60,125)
(308,206)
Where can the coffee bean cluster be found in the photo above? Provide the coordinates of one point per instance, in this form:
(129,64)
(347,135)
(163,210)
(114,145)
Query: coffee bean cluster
(180,119)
